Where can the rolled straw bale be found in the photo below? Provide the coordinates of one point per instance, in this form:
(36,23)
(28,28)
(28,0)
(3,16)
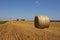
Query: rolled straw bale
(41,21)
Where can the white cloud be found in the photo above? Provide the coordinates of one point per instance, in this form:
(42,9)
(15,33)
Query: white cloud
(37,3)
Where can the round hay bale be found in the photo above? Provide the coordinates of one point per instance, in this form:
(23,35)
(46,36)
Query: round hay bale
(41,22)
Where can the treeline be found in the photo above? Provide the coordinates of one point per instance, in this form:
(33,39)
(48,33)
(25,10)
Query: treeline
(20,19)
(54,20)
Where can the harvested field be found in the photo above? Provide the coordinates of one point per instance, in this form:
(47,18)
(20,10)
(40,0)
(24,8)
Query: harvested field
(25,30)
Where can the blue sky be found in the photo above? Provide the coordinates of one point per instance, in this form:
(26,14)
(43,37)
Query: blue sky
(28,9)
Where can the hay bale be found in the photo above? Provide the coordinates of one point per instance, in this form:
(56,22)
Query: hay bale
(41,22)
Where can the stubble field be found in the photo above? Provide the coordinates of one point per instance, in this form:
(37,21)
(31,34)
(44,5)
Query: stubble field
(25,30)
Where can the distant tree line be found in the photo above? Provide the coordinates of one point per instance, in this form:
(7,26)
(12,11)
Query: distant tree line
(21,19)
(17,19)
(55,20)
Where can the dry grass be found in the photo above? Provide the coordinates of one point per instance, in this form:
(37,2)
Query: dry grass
(25,30)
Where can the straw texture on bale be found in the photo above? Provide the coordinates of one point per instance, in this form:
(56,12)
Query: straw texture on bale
(41,22)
